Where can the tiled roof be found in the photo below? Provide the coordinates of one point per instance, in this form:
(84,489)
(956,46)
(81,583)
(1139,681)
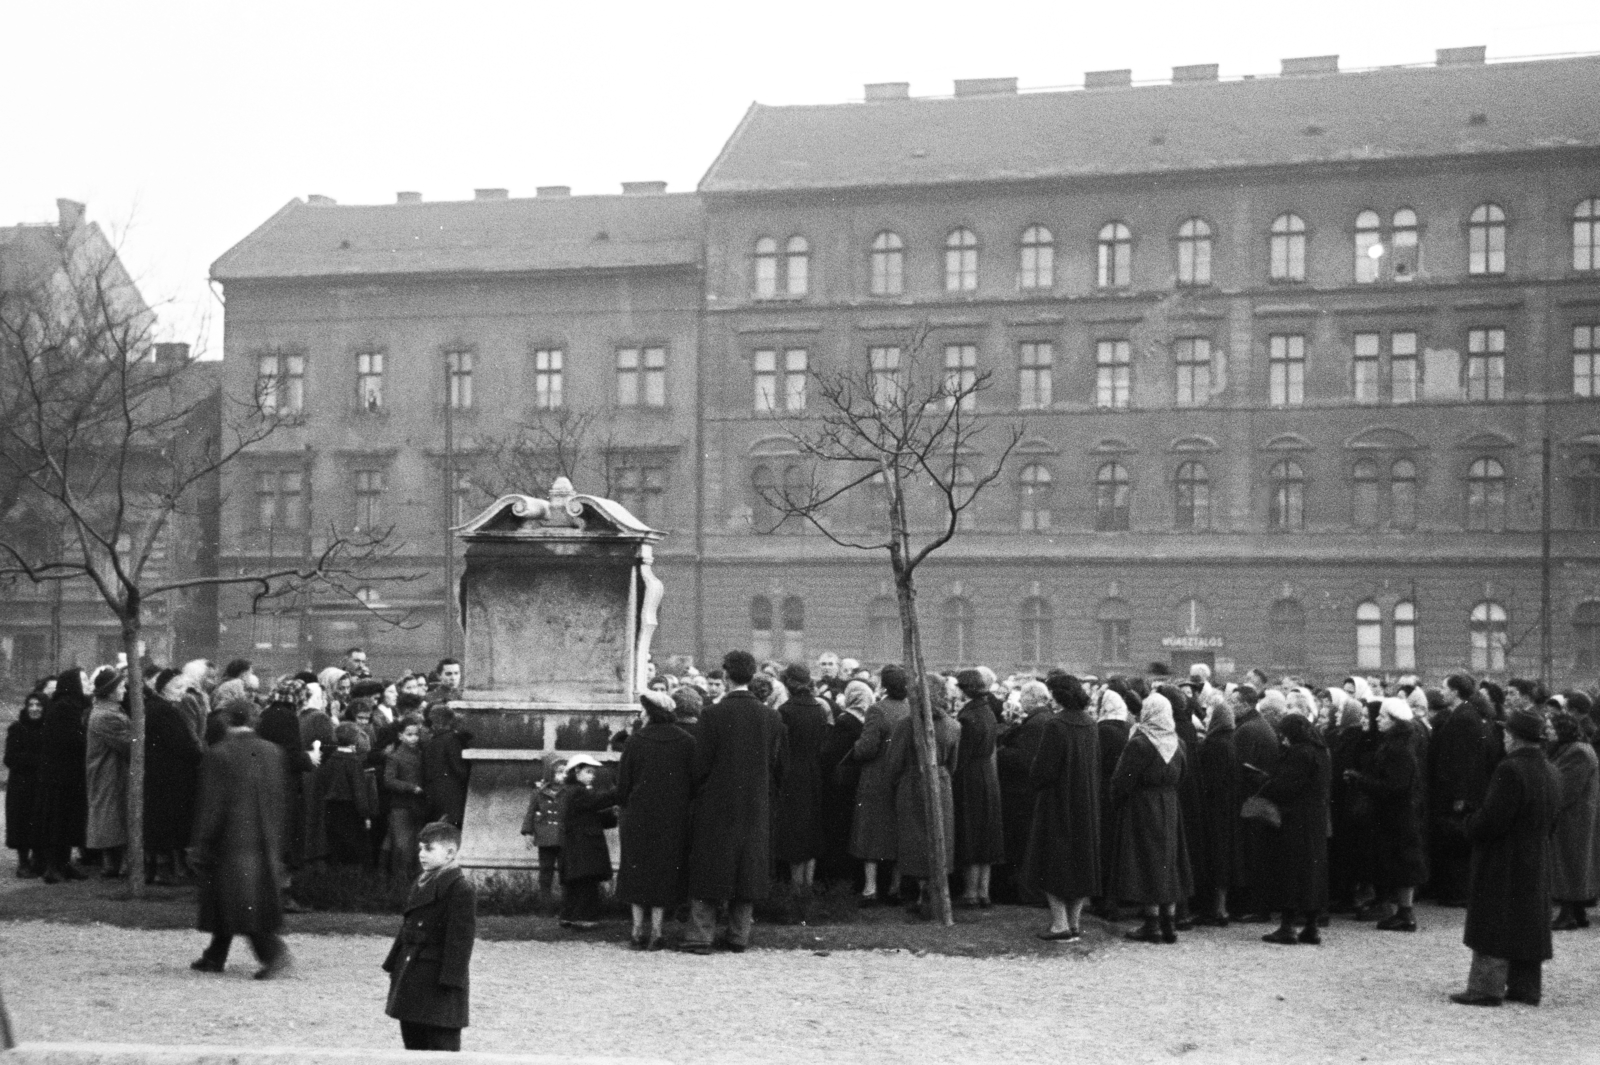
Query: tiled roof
(484,236)
(1381,114)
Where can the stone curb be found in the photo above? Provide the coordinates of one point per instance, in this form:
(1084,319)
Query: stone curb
(164,1054)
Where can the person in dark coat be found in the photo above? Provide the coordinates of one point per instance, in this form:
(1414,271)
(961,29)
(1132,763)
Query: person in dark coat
(797,835)
(1184,711)
(841,775)
(24,751)
(1508,905)
(61,812)
(1461,755)
(975,784)
(1299,786)
(1573,884)
(1219,811)
(1015,750)
(172,756)
(430,963)
(872,832)
(1150,860)
(655,788)
(1350,848)
(1113,726)
(444,771)
(911,811)
(738,757)
(348,794)
(585,855)
(1395,787)
(1255,744)
(1063,853)
(236,847)
(408,806)
(280,724)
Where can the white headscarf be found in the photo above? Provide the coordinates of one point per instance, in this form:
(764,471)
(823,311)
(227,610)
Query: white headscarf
(1155,721)
(1109,706)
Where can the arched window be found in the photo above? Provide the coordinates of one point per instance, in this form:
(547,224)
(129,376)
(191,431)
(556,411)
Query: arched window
(1585,487)
(1288,248)
(883,629)
(1586,235)
(1038,267)
(1586,638)
(1116,632)
(1286,509)
(793,615)
(1286,634)
(1486,495)
(797,266)
(888,264)
(1486,240)
(955,618)
(1194,252)
(1405,635)
(1036,623)
(766,268)
(1369,636)
(1405,249)
(961,261)
(1490,637)
(1364,508)
(1115,251)
(1369,247)
(761,627)
(1111,492)
(1192,497)
(763,490)
(1035,489)
(1403,494)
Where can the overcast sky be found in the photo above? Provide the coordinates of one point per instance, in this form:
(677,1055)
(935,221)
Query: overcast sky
(185,125)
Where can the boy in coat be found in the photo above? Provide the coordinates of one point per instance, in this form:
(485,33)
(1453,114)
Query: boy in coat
(428,964)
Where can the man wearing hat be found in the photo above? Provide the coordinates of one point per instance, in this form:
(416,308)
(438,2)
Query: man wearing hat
(1461,754)
(1508,903)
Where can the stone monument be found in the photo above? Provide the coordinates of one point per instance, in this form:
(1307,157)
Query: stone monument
(559,604)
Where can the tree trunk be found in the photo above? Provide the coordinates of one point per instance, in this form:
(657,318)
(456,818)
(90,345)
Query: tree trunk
(132,625)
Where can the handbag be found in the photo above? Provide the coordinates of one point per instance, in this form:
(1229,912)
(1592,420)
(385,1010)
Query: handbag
(1256,808)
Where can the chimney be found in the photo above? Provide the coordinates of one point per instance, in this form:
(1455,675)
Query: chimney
(491,194)
(986,86)
(888,90)
(1108,79)
(71,213)
(1194,72)
(1460,57)
(1311,64)
(548,191)
(316,199)
(171,354)
(642,188)
(408,197)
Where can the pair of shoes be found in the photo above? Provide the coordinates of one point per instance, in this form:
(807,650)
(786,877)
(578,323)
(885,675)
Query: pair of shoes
(693,948)
(1285,936)
(1397,923)
(1145,933)
(1467,998)
(204,964)
(656,943)
(1071,935)
(1310,936)
(277,968)
(1525,999)
(637,942)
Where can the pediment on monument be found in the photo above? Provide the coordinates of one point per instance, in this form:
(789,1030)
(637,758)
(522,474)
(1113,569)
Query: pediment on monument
(565,513)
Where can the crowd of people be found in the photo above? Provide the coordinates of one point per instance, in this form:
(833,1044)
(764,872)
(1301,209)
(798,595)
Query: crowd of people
(1192,803)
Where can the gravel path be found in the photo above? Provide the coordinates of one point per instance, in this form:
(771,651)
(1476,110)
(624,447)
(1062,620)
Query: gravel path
(1217,996)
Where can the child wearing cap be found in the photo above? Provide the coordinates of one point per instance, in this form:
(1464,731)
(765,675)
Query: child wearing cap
(543,824)
(585,857)
(428,964)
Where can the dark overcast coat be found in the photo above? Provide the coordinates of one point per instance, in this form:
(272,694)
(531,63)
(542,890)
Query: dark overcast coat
(1508,900)
(738,756)
(797,834)
(429,964)
(236,836)
(1150,861)
(1063,855)
(975,784)
(655,789)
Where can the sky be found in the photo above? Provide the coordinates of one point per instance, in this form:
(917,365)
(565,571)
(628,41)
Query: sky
(185,125)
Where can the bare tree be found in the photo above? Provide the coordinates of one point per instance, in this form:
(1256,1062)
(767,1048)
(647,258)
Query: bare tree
(897,423)
(115,445)
(559,442)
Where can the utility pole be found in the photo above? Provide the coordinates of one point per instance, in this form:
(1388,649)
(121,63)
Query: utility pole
(1546,650)
(449,507)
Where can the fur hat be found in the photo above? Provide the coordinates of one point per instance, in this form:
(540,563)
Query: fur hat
(1526,725)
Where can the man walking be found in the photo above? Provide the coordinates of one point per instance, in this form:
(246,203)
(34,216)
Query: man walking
(738,759)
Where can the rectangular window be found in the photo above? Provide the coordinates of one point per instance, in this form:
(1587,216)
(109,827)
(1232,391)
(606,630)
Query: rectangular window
(369,381)
(1287,369)
(1369,645)
(1367,347)
(281,383)
(458,365)
(793,391)
(795,363)
(548,371)
(1586,360)
(1114,643)
(640,487)
(1112,374)
(1403,367)
(885,363)
(370,485)
(642,377)
(1193,361)
(765,366)
(279,500)
(1486,364)
(1034,370)
(961,375)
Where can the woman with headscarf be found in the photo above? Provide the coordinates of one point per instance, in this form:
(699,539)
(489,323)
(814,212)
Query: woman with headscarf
(872,831)
(840,776)
(1299,787)
(62,810)
(905,772)
(1014,754)
(1395,786)
(172,754)
(330,680)
(1573,886)
(1219,809)
(110,739)
(24,750)
(655,781)
(1063,855)
(1113,726)
(797,831)
(280,723)
(1352,846)
(1185,709)
(1150,860)
(975,782)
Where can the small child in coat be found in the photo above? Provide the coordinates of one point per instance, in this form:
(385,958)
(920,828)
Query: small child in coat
(428,964)
(543,824)
(585,855)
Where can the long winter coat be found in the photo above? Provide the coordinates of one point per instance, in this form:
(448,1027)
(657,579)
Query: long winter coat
(444,776)
(430,962)
(1572,846)
(1508,900)
(872,833)
(1351,849)
(905,774)
(237,850)
(1395,787)
(655,791)
(1219,811)
(24,749)
(171,776)
(1112,735)
(1149,858)
(1014,753)
(1063,854)
(110,739)
(1299,859)
(585,855)
(841,775)
(738,755)
(61,812)
(279,723)
(1255,742)
(975,783)
(797,835)
(1461,756)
